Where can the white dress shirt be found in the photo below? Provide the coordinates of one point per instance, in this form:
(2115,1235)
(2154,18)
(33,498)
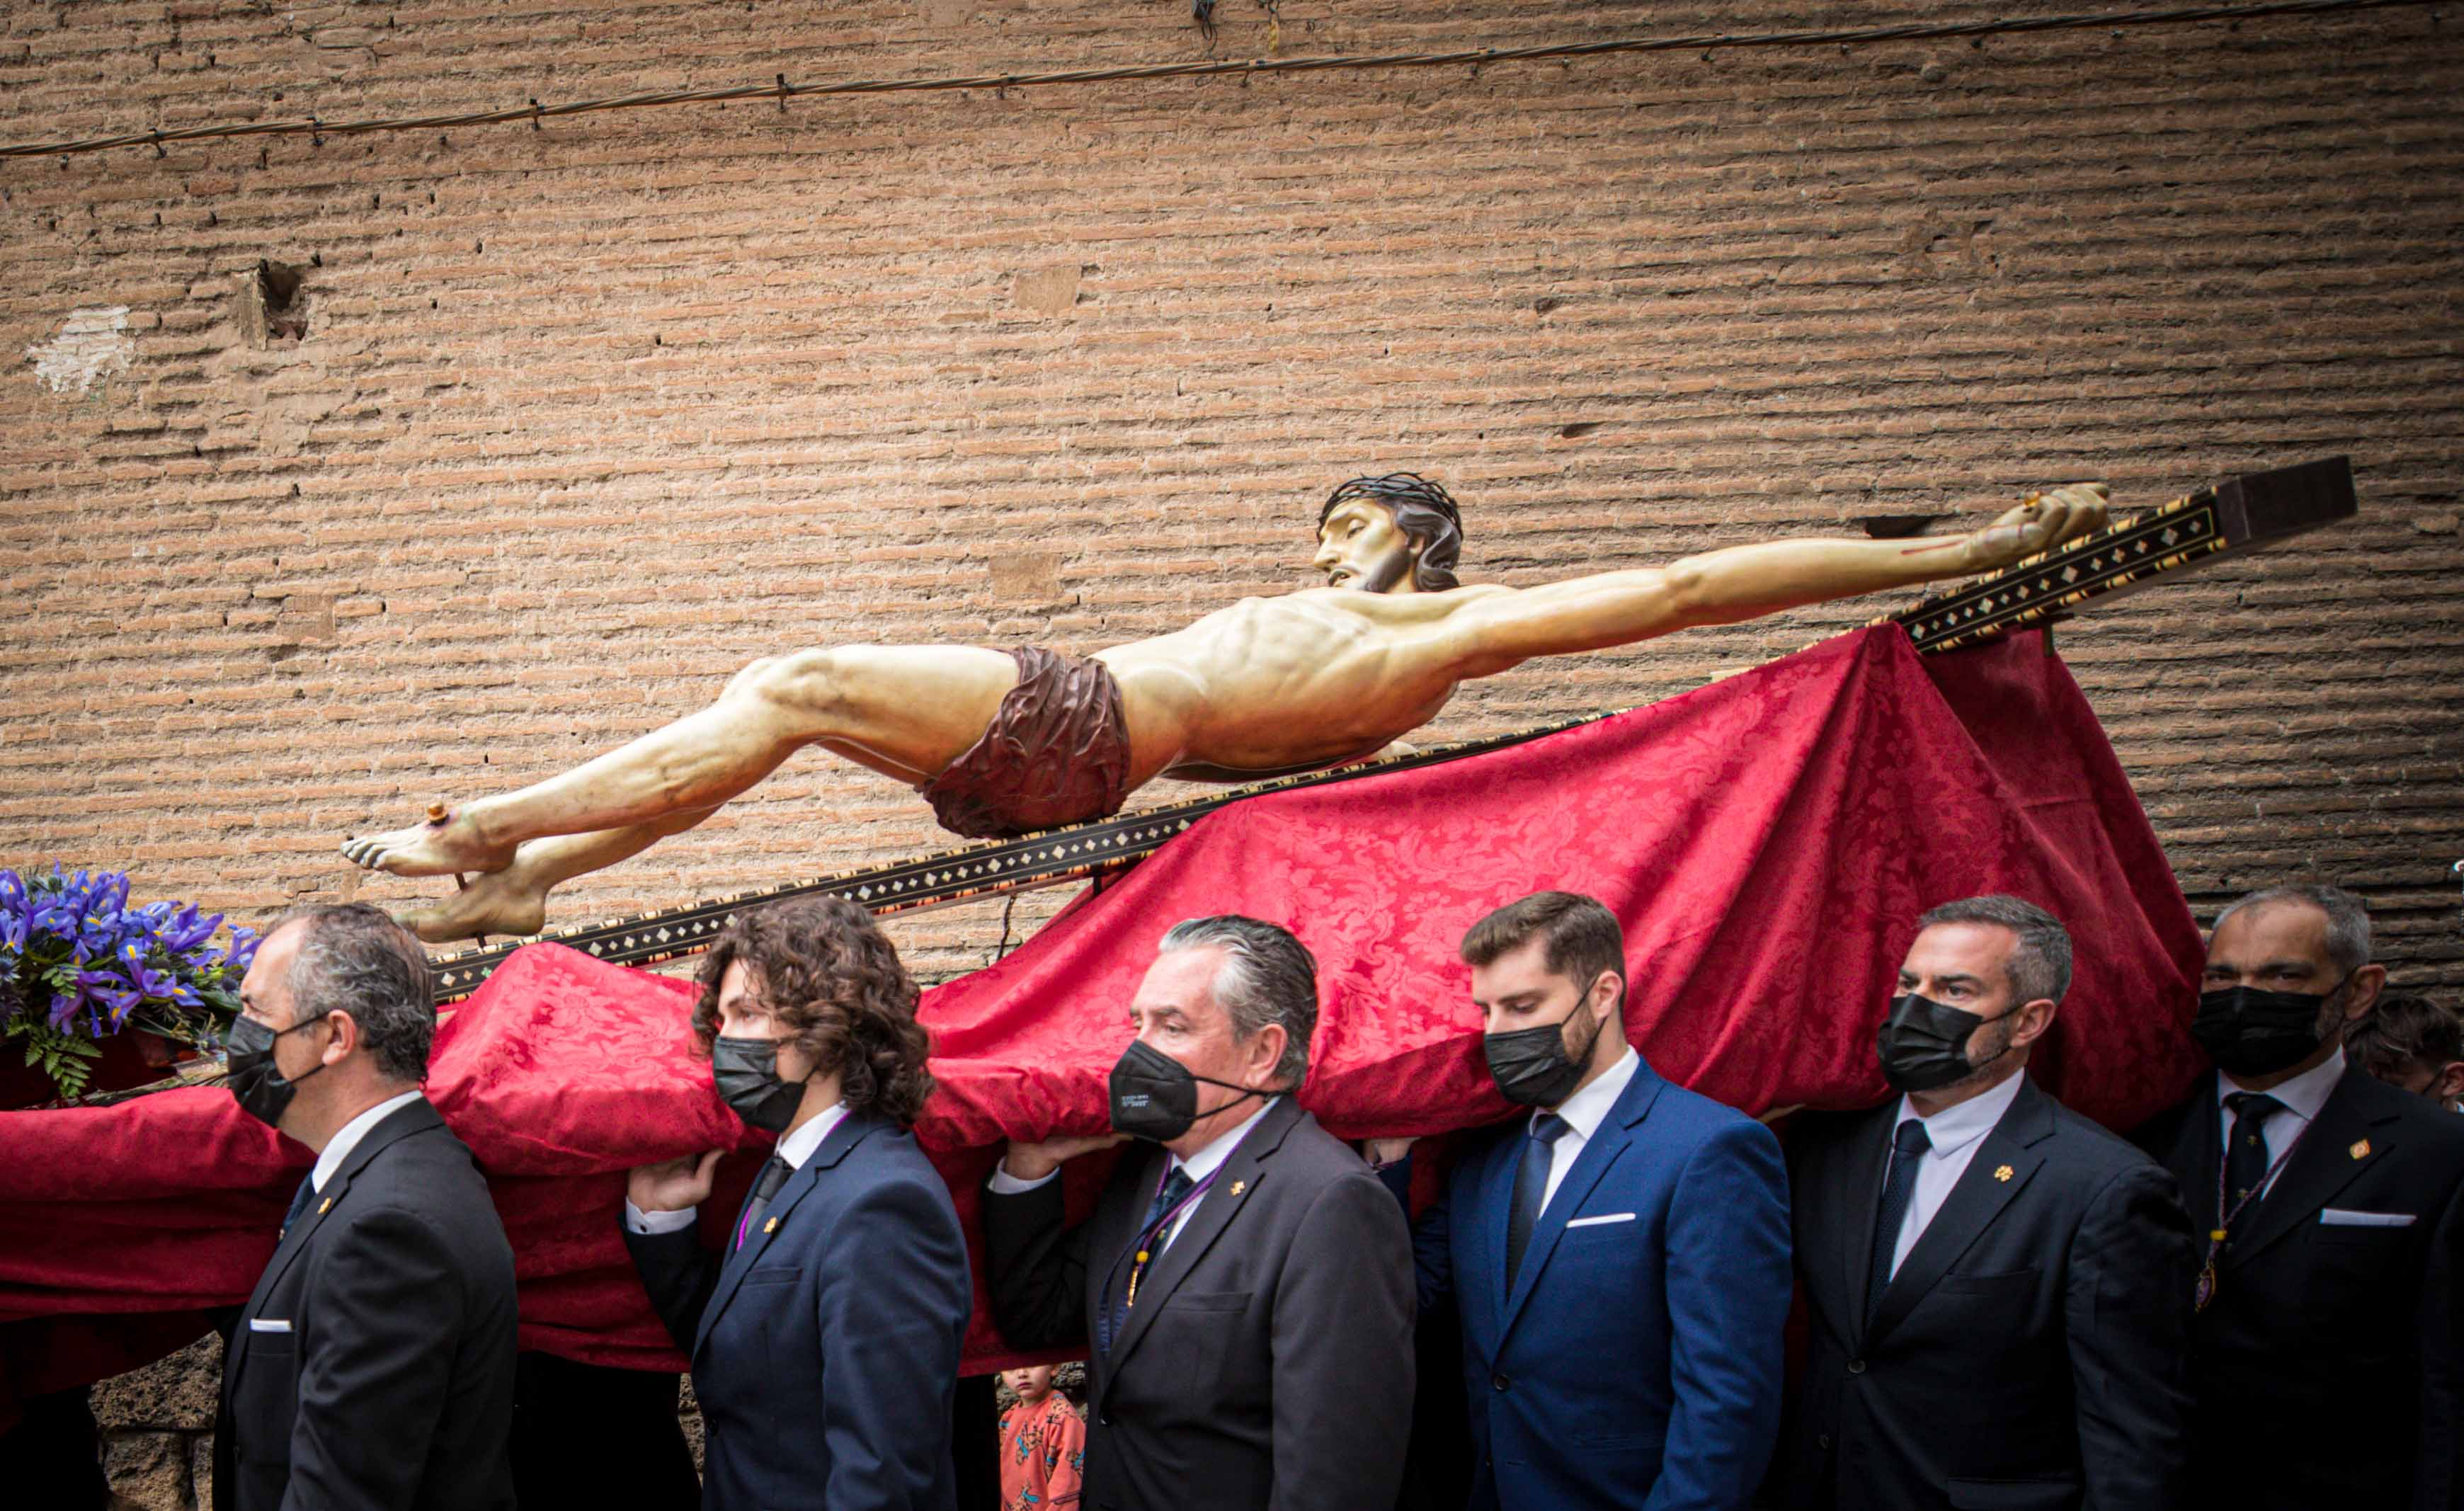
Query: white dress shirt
(2302,1096)
(1584,1111)
(796,1148)
(338,1148)
(1955,1133)
(1200,1165)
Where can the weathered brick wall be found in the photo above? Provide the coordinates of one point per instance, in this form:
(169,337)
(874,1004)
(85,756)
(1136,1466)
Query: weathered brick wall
(583,418)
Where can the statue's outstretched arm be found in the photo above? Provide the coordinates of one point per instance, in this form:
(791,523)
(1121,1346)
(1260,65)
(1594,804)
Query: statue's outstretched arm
(1721,587)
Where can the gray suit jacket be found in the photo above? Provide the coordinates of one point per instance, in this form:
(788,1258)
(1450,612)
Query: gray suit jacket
(1269,1360)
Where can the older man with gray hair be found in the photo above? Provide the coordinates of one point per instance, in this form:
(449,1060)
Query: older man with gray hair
(1244,1287)
(2327,1358)
(374,1364)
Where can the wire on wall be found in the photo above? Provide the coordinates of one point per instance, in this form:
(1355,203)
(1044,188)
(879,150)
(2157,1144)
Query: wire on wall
(782,90)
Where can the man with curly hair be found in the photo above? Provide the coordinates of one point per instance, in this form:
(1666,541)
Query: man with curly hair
(824,1329)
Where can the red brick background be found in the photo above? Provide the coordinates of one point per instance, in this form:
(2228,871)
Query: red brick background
(586,417)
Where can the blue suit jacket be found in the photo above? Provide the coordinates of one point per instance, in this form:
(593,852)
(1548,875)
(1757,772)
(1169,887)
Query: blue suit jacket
(1637,1360)
(825,1349)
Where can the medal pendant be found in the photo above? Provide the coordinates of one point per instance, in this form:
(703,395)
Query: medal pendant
(2206,1290)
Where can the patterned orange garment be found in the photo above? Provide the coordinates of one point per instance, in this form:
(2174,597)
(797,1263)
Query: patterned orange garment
(1043,1454)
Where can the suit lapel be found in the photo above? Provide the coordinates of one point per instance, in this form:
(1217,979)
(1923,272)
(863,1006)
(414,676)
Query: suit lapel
(851,1130)
(2323,1165)
(1982,1192)
(1859,1207)
(1240,1175)
(1611,1139)
(415,1117)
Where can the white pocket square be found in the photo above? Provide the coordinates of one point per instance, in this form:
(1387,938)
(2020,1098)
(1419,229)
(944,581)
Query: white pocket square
(2338,1218)
(269,1325)
(1594,1222)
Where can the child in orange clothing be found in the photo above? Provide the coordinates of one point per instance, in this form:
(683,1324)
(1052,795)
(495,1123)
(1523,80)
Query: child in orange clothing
(1042,1444)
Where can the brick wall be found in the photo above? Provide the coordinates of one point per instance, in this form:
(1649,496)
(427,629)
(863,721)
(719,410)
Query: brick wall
(583,418)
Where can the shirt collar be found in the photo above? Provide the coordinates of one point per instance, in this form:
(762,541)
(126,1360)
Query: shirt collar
(799,1145)
(1208,1160)
(1586,1109)
(2307,1093)
(1955,1128)
(338,1148)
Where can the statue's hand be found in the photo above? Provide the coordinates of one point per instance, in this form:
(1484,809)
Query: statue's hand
(2040,524)
(671,1185)
(1035,1161)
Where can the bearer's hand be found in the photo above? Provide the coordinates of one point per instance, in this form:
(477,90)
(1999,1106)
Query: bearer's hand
(671,1185)
(1035,1161)
(2040,524)
(1385,1150)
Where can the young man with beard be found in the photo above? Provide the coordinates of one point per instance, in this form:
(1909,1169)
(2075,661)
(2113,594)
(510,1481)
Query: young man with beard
(824,1329)
(1995,1285)
(2327,1360)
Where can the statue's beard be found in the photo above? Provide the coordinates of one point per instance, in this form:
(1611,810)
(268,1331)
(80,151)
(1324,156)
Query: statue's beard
(1387,575)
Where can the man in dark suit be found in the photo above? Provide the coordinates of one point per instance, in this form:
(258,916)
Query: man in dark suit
(1618,1257)
(374,1364)
(824,1329)
(2327,1358)
(1995,1285)
(1244,1287)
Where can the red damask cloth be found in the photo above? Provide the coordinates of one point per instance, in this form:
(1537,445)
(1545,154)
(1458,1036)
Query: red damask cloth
(1766,841)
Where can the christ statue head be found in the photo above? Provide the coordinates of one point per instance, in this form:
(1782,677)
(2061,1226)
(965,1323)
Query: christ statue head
(1395,534)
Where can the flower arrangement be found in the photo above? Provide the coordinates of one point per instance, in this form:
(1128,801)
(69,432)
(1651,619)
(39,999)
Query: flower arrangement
(78,964)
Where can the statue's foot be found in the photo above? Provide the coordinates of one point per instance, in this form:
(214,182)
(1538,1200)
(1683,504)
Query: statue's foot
(499,903)
(429,849)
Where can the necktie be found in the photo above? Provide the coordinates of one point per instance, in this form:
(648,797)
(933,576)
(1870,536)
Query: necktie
(1530,1189)
(2246,1152)
(298,1203)
(1907,1146)
(774,1176)
(1150,1243)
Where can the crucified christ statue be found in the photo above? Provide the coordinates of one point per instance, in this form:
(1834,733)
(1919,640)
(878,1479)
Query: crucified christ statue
(1008,742)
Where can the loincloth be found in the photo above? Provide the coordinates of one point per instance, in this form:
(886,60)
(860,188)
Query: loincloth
(1057,752)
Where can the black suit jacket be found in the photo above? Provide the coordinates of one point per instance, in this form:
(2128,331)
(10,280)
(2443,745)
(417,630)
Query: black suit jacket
(374,1364)
(2029,1352)
(1269,1360)
(825,1349)
(2329,1368)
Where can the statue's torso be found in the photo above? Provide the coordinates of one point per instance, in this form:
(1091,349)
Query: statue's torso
(1276,684)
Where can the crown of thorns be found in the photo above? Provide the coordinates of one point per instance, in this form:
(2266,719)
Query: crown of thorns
(1395,488)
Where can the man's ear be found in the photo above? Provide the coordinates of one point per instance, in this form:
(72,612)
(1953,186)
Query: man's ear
(345,1036)
(2036,1019)
(2449,1082)
(2367,983)
(1267,1050)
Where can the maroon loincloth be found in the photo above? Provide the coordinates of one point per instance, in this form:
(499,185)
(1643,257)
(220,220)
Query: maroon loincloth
(1057,752)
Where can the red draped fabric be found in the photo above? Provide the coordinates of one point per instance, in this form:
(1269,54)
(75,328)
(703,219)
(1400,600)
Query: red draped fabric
(1766,842)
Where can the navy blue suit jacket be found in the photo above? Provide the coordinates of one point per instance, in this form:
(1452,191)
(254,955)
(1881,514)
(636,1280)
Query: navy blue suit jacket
(825,1349)
(1637,1360)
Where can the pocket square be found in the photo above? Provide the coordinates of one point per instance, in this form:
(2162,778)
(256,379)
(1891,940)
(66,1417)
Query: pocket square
(269,1325)
(2337,1217)
(1594,1222)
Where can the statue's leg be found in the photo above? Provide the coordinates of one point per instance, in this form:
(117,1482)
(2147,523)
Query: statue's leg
(904,710)
(513,901)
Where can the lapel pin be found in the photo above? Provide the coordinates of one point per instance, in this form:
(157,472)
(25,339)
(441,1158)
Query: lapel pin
(2361,1149)
(771,1226)
(1240,1186)
(2002,1172)
(327,1205)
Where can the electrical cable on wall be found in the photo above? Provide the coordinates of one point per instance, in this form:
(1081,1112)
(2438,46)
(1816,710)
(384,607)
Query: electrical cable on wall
(782,91)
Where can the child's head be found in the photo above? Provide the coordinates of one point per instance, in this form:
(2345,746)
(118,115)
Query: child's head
(1032,1384)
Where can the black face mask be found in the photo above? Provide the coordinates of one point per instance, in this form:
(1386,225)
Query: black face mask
(2249,1032)
(263,1092)
(1156,1096)
(1531,1065)
(746,1073)
(1922,1044)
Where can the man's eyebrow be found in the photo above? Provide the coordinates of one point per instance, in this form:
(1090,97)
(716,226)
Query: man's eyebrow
(1960,977)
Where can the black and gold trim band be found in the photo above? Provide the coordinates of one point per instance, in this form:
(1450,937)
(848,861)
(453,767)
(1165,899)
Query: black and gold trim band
(2241,514)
